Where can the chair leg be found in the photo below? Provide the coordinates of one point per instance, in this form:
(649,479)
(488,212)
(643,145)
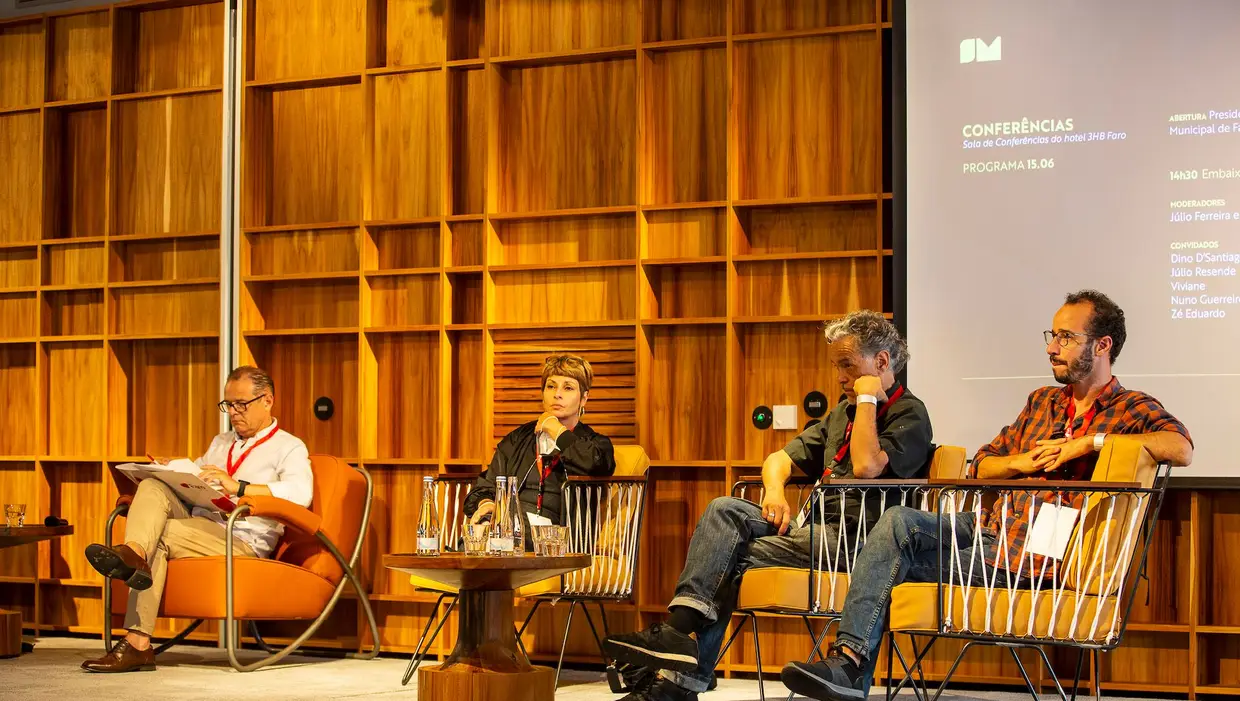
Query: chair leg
(524,625)
(594,631)
(920,692)
(1033,691)
(817,638)
(418,654)
(757,651)
(568,626)
(258,638)
(1076,679)
(1051,670)
(952,670)
(1097,675)
(179,637)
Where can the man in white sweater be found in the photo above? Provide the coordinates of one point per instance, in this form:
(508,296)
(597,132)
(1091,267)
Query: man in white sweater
(255,458)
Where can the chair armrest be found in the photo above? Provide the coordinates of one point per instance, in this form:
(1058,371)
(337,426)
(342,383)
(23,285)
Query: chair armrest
(124,500)
(854,482)
(794,481)
(1038,485)
(619,479)
(285,512)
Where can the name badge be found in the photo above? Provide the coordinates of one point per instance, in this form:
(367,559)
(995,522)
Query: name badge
(1052,531)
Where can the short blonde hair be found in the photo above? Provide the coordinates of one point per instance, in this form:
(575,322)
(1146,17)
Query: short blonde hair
(568,365)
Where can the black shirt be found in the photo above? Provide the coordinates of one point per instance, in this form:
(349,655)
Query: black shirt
(581,451)
(904,433)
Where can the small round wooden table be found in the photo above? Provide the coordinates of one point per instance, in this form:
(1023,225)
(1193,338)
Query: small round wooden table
(11,621)
(486,664)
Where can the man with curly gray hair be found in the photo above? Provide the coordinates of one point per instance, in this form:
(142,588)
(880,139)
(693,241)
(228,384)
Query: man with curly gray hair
(876,429)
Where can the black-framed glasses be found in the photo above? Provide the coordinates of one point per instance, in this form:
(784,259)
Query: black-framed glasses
(238,406)
(1065,339)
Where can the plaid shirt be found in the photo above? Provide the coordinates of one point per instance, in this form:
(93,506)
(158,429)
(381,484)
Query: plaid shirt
(1119,411)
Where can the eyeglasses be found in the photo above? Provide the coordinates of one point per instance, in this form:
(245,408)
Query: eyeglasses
(1065,339)
(239,406)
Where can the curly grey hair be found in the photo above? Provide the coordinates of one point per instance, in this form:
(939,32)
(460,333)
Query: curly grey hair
(874,333)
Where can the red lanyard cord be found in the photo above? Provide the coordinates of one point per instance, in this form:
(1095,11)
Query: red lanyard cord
(232,469)
(882,410)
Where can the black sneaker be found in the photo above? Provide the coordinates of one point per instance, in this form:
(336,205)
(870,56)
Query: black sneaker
(623,677)
(837,679)
(660,689)
(658,647)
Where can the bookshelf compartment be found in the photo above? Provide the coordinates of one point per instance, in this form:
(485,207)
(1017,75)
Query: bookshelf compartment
(80,56)
(674,20)
(404,300)
(72,608)
(685,414)
(75,175)
(1219,662)
(566,240)
(754,16)
(19,268)
(567,136)
(1220,572)
(169,48)
(398,493)
(686,126)
(687,292)
(565,25)
(162,395)
(314,133)
(824,287)
(19,385)
(686,233)
(467,241)
(169,260)
(75,377)
(75,492)
(785,346)
(407,381)
(19,314)
(21,64)
(73,313)
(807,229)
(1146,658)
(21,210)
(192,309)
(166,164)
(19,485)
(409,135)
(412,31)
(565,296)
(301,252)
(683,494)
(807,116)
(466,295)
(279,32)
(75,264)
(300,305)
(467,122)
(466,432)
(305,368)
(403,247)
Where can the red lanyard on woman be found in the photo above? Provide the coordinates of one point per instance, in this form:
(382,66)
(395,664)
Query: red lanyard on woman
(843,451)
(543,474)
(232,469)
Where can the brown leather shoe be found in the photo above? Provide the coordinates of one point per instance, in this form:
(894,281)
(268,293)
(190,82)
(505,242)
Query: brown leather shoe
(120,562)
(123,658)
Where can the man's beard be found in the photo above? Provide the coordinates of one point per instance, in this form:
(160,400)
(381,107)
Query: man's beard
(1077,370)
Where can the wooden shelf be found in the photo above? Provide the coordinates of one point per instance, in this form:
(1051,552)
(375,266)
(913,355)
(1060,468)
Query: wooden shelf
(18,458)
(600,324)
(418,328)
(689,463)
(17,245)
(183,336)
(576,56)
(82,102)
(466,63)
(398,70)
(19,110)
(579,265)
(173,92)
(80,338)
(18,580)
(805,33)
(401,461)
(168,236)
(466,217)
(77,583)
(320,81)
(73,240)
(403,271)
(29,289)
(1221,630)
(1221,689)
(685,206)
(797,201)
(814,255)
(322,331)
(463,327)
(138,284)
(670,44)
(391,223)
(279,228)
(704,260)
(791,319)
(560,213)
(690,321)
(18,340)
(463,269)
(296,277)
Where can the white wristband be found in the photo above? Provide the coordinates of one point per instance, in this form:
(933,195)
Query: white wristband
(867,399)
(1099,441)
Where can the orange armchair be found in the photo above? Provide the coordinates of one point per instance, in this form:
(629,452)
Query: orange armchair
(303,580)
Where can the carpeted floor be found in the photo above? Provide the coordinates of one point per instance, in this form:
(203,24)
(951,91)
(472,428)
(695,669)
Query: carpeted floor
(190,673)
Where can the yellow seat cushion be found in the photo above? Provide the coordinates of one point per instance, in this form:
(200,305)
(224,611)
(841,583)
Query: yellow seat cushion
(913,610)
(787,588)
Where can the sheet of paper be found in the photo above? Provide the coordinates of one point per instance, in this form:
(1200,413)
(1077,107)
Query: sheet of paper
(536,520)
(1052,530)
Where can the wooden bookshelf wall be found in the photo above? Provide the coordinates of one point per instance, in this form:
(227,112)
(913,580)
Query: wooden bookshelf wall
(434,196)
(111,136)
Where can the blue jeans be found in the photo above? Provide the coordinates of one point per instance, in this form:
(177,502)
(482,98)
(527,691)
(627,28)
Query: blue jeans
(731,537)
(902,547)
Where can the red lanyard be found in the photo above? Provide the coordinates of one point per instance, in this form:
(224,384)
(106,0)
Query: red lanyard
(232,469)
(843,451)
(1089,416)
(543,474)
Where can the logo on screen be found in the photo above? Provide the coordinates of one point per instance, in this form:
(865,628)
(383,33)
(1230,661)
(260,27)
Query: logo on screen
(976,50)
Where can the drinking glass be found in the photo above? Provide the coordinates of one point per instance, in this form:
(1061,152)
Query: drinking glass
(476,535)
(550,541)
(14,515)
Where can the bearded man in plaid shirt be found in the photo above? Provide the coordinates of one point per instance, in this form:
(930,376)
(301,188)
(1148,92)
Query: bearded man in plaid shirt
(1057,436)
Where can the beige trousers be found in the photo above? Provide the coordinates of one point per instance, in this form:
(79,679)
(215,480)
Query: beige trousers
(161,524)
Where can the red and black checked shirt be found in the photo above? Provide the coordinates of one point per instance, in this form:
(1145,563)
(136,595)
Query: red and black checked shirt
(1119,411)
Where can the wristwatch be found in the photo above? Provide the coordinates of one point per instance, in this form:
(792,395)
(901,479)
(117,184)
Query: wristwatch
(1099,440)
(241,489)
(867,399)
